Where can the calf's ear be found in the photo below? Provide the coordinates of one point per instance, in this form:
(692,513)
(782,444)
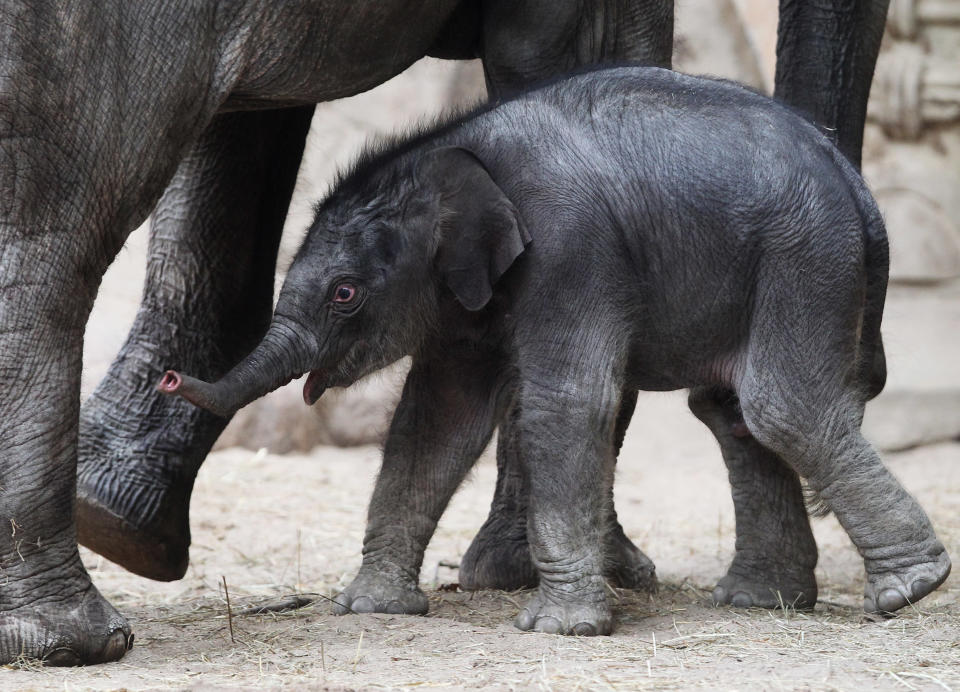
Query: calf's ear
(481,233)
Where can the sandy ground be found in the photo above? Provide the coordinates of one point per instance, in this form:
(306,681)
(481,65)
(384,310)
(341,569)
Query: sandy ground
(276,525)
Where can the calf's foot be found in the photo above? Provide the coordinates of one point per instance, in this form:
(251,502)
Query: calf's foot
(499,558)
(373,592)
(81,629)
(890,588)
(761,584)
(548,614)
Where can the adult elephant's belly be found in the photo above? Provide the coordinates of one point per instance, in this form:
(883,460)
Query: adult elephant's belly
(310,52)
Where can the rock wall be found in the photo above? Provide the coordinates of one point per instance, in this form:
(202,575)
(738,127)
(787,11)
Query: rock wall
(912,162)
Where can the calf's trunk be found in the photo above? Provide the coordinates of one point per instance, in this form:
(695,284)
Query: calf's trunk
(280,357)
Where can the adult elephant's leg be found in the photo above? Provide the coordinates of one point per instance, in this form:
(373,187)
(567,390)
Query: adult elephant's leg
(499,556)
(826,53)
(530,40)
(206,303)
(49,609)
(775,549)
(83,160)
(524,42)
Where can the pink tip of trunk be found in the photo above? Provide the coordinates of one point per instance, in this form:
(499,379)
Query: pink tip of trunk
(170,382)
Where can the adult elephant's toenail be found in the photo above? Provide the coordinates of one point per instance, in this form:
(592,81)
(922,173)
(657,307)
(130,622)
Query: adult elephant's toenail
(741,599)
(395,607)
(719,596)
(584,629)
(62,657)
(116,646)
(548,625)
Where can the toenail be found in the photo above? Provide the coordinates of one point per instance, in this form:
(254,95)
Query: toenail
(890,600)
(920,588)
(395,607)
(62,657)
(116,645)
(364,604)
(741,599)
(719,595)
(340,606)
(525,620)
(584,629)
(548,625)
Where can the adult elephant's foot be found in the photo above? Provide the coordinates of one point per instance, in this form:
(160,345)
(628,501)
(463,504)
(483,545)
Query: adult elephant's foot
(760,583)
(154,543)
(373,592)
(499,558)
(551,615)
(890,588)
(71,624)
(135,473)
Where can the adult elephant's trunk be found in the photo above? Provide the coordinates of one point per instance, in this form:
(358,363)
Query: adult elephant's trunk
(281,356)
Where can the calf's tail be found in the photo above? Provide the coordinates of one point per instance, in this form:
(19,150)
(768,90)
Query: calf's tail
(872,361)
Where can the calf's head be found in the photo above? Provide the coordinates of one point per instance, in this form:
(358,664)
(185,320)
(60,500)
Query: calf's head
(365,288)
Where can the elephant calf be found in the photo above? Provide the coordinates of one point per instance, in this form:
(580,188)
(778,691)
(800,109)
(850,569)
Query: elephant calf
(623,229)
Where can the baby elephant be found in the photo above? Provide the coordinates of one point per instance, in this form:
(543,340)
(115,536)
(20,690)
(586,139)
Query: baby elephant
(627,228)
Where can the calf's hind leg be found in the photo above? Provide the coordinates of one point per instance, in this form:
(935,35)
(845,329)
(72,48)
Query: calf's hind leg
(775,549)
(445,418)
(814,425)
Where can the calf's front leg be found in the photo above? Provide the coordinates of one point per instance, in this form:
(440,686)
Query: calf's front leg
(499,556)
(567,433)
(444,420)
(525,42)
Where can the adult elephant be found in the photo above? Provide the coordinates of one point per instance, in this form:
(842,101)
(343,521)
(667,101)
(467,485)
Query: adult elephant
(103,106)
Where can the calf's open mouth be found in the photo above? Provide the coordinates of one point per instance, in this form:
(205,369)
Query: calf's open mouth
(314,387)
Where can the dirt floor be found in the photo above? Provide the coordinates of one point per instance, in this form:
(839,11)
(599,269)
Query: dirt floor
(278,525)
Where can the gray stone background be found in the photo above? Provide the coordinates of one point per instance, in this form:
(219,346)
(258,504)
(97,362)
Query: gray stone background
(911,160)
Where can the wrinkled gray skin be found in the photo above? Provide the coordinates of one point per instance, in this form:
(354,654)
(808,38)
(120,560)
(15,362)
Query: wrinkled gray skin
(209,287)
(105,104)
(208,293)
(623,229)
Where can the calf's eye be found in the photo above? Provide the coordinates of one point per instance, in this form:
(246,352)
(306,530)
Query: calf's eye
(344,293)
